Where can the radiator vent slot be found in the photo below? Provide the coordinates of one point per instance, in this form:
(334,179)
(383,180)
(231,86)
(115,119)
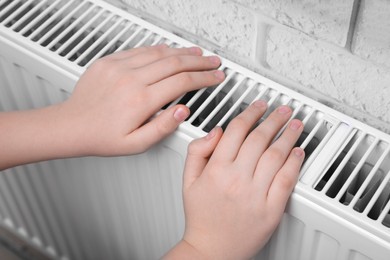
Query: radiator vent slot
(78,30)
(359,177)
(347,163)
(218,105)
(81,32)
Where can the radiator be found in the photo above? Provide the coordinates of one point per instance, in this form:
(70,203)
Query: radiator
(130,207)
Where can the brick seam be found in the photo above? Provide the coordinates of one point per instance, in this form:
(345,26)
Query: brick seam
(352,24)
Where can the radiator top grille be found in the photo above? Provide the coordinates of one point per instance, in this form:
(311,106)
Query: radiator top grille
(346,161)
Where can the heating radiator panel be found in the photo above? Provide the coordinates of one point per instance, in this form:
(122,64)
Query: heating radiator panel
(344,156)
(97,208)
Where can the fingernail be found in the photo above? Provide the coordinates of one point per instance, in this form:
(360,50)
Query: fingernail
(260,103)
(284,110)
(214,60)
(196,50)
(211,134)
(219,74)
(298,152)
(295,125)
(181,114)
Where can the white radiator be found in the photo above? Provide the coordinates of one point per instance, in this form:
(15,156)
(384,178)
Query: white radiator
(131,207)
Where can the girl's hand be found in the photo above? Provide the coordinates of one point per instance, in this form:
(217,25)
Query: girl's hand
(116,97)
(110,110)
(236,185)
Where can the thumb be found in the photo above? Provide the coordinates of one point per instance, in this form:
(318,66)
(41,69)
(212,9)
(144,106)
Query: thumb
(199,152)
(158,128)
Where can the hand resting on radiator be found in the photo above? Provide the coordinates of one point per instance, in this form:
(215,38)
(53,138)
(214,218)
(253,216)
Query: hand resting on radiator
(110,108)
(236,185)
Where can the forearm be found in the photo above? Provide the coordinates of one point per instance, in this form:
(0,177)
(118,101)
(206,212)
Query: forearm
(109,110)
(35,135)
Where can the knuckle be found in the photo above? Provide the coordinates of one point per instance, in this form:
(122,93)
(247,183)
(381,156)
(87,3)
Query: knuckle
(275,154)
(239,123)
(259,136)
(285,181)
(277,118)
(163,127)
(175,62)
(158,53)
(186,78)
(209,78)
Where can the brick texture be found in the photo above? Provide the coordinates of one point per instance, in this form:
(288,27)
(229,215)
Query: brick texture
(338,48)
(342,76)
(218,21)
(372,33)
(328,20)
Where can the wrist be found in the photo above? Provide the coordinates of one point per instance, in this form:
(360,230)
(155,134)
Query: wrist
(71,139)
(184,250)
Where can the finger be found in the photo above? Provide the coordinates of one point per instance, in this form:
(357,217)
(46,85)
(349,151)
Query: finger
(153,55)
(261,137)
(133,51)
(237,131)
(276,155)
(158,128)
(284,182)
(173,87)
(173,65)
(199,152)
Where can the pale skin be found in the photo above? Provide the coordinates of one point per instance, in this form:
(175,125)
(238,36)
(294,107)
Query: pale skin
(236,184)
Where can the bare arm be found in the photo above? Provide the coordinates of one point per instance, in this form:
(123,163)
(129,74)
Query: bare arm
(236,184)
(109,109)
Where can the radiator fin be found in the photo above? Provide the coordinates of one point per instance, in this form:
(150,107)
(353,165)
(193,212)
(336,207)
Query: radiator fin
(359,176)
(347,164)
(81,32)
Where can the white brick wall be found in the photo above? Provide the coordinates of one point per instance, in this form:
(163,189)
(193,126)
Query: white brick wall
(372,35)
(344,77)
(337,52)
(328,21)
(207,20)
